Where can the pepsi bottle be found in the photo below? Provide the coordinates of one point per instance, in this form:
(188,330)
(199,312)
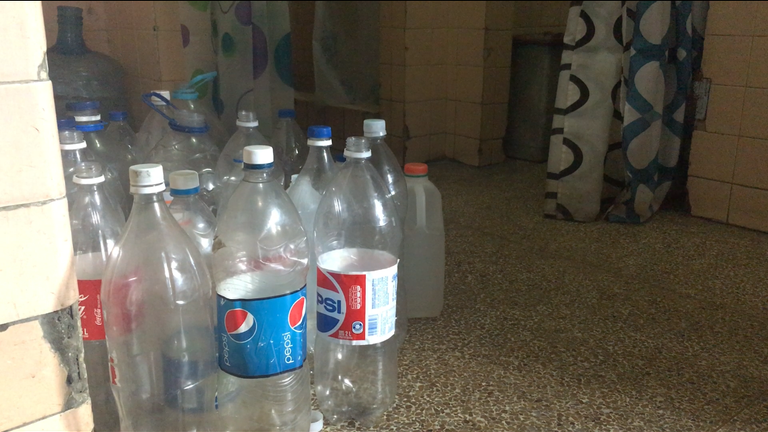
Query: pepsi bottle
(260,269)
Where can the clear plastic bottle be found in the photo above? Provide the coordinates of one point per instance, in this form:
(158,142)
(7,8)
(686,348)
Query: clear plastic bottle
(385,163)
(422,270)
(191,212)
(119,131)
(289,143)
(260,269)
(96,223)
(306,192)
(189,100)
(357,241)
(158,301)
(155,126)
(229,182)
(116,155)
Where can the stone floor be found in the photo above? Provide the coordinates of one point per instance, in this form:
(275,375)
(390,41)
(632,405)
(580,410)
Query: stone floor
(558,326)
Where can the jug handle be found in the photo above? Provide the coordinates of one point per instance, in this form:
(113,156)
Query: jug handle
(421,207)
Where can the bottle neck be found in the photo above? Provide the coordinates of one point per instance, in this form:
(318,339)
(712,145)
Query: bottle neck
(376,140)
(69,40)
(319,156)
(258,175)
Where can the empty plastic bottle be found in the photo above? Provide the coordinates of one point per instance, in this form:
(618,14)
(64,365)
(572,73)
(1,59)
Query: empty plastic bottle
(422,270)
(229,182)
(357,242)
(158,301)
(191,212)
(385,163)
(187,98)
(306,192)
(119,131)
(155,126)
(96,223)
(289,143)
(260,268)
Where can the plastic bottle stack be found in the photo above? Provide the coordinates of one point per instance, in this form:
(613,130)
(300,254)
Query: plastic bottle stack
(290,144)
(155,125)
(191,212)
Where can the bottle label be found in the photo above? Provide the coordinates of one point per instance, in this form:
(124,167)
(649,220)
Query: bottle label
(260,338)
(357,308)
(91,314)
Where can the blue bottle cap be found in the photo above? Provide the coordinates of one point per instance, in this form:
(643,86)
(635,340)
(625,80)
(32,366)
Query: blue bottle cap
(286,113)
(90,127)
(83,106)
(67,123)
(118,115)
(319,132)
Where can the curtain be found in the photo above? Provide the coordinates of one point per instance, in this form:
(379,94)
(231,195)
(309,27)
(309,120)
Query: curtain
(620,108)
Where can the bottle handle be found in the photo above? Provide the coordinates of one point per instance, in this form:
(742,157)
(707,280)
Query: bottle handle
(421,207)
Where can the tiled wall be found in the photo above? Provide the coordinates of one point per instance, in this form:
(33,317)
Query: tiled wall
(728,174)
(541,16)
(36,272)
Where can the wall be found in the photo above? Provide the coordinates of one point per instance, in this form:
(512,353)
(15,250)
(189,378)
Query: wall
(729,154)
(42,379)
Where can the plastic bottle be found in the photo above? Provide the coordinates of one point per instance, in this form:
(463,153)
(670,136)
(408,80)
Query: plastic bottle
(289,143)
(155,126)
(357,241)
(96,223)
(422,270)
(79,74)
(229,183)
(191,212)
(158,301)
(188,99)
(119,131)
(260,268)
(306,192)
(117,156)
(385,163)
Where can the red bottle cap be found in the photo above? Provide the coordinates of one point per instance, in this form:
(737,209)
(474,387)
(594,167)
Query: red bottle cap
(416,169)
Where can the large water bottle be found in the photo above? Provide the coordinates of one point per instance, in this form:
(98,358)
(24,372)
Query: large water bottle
(119,131)
(96,224)
(155,125)
(260,268)
(422,270)
(306,192)
(191,212)
(357,241)
(158,301)
(385,163)
(290,144)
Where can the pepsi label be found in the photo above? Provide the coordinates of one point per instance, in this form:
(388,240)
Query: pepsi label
(260,338)
(357,308)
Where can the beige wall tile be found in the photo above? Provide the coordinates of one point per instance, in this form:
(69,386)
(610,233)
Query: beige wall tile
(552,13)
(417,149)
(498,49)
(167,16)
(450,142)
(491,152)
(31,166)
(127,52)
(712,156)
(527,14)
(436,146)
(385,80)
(417,118)
(466,150)
(438,83)
(398,14)
(496,85)
(418,83)
(500,15)
(397,146)
(398,47)
(449,81)
(754,121)
(724,111)
(468,118)
(444,46)
(142,15)
(752,163)
(748,208)
(76,419)
(396,125)
(709,199)
(385,45)
(418,47)
(469,84)
(24,42)
(437,116)
(118,15)
(149,58)
(760,19)
(467,14)
(172,65)
(494,121)
(42,232)
(398,83)
(385,14)
(421,14)
(353,123)
(731,18)
(758,63)
(726,59)
(469,47)
(450,117)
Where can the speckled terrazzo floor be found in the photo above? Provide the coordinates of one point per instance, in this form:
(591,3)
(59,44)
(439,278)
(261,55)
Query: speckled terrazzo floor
(556,326)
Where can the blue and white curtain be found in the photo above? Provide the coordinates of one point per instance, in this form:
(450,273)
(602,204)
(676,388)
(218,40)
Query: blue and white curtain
(620,109)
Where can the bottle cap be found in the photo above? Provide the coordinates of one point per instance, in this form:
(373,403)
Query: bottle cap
(146,178)
(87,173)
(315,421)
(66,123)
(184,182)
(118,115)
(374,127)
(164,93)
(319,136)
(286,113)
(258,157)
(247,119)
(71,139)
(357,147)
(90,127)
(416,169)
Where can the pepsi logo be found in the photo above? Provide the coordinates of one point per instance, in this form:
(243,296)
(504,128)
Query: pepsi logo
(330,303)
(297,313)
(240,325)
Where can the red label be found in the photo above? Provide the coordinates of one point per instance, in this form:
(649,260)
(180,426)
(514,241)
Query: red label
(341,305)
(91,314)
(113,371)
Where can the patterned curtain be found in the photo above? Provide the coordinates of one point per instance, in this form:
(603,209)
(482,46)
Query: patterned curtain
(620,108)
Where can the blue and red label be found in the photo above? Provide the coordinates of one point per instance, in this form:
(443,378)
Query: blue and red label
(262,337)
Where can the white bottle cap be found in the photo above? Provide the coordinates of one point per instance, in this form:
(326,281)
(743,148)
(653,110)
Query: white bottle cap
(146,178)
(184,180)
(164,93)
(316,421)
(72,146)
(374,127)
(258,155)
